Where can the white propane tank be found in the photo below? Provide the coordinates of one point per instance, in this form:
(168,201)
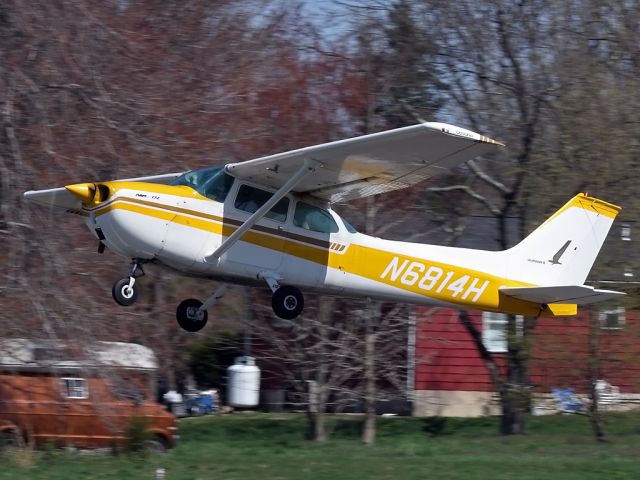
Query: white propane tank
(244,383)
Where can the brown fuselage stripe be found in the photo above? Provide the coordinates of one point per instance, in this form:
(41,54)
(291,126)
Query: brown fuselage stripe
(224,220)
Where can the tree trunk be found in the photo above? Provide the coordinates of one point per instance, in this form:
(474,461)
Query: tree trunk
(318,389)
(316,412)
(594,416)
(514,400)
(369,428)
(593,366)
(515,394)
(317,427)
(514,390)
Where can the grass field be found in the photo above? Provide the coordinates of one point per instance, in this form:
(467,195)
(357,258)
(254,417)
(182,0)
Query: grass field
(253,446)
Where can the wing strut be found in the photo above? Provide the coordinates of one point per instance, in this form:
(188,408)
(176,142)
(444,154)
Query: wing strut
(307,168)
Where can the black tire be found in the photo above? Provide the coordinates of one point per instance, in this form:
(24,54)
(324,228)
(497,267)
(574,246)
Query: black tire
(287,302)
(189,318)
(9,439)
(157,444)
(122,294)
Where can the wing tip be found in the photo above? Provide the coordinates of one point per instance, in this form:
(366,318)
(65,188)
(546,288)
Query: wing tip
(460,132)
(491,141)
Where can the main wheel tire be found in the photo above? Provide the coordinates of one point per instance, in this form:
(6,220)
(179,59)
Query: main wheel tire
(122,294)
(188,316)
(157,444)
(287,302)
(9,439)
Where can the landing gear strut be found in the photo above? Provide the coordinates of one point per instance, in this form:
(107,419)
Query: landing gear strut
(125,291)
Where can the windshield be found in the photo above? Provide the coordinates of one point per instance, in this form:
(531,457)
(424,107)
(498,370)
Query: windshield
(213,183)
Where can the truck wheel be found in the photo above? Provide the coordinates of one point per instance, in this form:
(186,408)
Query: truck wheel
(157,444)
(9,439)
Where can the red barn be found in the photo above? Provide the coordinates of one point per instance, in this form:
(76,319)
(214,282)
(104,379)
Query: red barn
(452,380)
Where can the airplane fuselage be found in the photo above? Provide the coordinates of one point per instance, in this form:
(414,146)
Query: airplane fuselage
(177,227)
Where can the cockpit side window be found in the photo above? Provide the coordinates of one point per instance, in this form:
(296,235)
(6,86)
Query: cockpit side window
(250,199)
(314,218)
(350,228)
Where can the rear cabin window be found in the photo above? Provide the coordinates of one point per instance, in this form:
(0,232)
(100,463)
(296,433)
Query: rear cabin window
(74,388)
(314,218)
(250,199)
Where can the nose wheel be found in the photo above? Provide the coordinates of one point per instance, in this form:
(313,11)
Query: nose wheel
(191,317)
(287,302)
(125,292)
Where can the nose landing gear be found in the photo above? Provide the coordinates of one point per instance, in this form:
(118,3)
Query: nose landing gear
(125,291)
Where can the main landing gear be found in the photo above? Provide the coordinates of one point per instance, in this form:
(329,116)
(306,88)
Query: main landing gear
(125,291)
(192,314)
(287,301)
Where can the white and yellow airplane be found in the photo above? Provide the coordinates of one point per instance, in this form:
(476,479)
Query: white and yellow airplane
(269,221)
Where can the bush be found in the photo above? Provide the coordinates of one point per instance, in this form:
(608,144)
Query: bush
(137,435)
(434,426)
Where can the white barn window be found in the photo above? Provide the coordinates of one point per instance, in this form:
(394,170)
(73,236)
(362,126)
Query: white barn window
(625,232)
(74,388)
(494,332)
(612,319)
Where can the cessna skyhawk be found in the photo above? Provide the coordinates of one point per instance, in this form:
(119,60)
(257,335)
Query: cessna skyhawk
(268,221)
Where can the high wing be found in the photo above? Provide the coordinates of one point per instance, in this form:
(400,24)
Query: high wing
(578,294)
(62,198)
(371,164)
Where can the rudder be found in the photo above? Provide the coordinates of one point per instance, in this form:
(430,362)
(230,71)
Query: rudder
(563,249)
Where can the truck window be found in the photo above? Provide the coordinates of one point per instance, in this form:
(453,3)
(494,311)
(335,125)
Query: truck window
(74,388)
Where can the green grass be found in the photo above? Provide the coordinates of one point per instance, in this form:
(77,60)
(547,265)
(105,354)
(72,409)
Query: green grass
(248,446)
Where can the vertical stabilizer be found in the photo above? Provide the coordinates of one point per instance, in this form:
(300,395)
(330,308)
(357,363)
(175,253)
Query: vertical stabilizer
(563,249)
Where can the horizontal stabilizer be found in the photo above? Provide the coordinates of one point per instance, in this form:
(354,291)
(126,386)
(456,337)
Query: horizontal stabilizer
(578,294)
